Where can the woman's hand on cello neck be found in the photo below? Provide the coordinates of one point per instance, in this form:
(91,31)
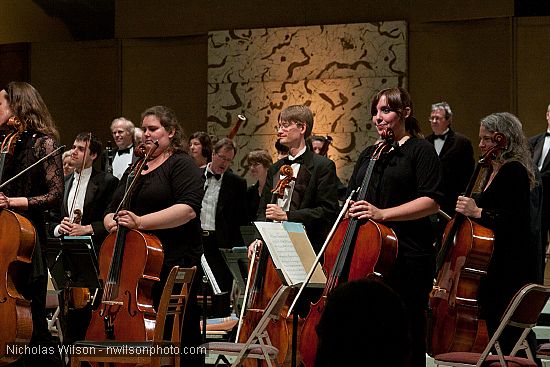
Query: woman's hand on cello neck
(124,218)
(4,201)
(467,206)
(362,209)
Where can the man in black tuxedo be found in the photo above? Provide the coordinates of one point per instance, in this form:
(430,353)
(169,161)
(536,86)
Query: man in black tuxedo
(540,144)
(312,199)
(95,190)
(455,152)
(223,212)
(94,193)
(117,160)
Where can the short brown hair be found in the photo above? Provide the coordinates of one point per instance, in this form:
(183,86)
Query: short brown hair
(260,156)
(300,114)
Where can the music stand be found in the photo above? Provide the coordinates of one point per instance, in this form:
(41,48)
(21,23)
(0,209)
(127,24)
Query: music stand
(73,263)
(236,259)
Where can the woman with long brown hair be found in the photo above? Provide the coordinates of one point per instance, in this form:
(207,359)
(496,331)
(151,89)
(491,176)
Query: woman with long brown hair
(37,190)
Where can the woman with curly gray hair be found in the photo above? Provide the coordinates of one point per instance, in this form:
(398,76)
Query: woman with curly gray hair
(504,206)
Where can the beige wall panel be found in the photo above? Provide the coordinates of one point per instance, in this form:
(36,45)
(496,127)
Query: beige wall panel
(467,64)
(79,83)
(533,72)
(336,69)
(170,72)
(24,21)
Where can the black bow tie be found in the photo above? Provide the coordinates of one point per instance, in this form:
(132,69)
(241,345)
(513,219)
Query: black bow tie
(209,174)
(442,137)
(299,160)
(546,134)
(123,151)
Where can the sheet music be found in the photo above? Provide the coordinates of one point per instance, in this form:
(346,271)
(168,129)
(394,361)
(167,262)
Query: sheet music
(282,249)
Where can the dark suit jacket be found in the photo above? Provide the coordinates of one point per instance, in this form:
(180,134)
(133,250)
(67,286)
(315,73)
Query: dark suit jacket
(537,143)
(314,199)
(230,210)
(457,166)
(98,197)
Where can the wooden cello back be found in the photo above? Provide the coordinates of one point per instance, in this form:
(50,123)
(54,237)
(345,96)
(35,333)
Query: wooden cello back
(454,323)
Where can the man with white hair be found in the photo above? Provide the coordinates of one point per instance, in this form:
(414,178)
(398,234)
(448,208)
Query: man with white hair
(123,135)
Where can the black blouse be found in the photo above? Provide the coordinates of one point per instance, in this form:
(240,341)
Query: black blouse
(408,172)
(42,185)
(176,181)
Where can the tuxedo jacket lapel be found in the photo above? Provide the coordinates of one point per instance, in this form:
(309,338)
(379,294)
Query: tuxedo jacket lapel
(538,150)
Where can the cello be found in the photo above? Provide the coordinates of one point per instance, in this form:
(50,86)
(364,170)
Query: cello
(265,282)
(17,240)
(454,324)
(356,250)
(126,310)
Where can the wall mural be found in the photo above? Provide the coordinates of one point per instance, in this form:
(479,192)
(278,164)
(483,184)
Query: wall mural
(334,69)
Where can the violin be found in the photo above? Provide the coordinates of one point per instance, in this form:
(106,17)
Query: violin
(79,297)
(357,249)
(17,245)
(126,309)
(454,324)
(265,281)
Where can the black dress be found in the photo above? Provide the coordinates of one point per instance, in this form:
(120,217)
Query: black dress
(505,207)
(410,171)
(176,181)
(43,186)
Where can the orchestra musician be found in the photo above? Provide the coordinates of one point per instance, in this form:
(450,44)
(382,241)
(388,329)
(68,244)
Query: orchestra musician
(88,190)
(31,194)
(312,199)
(259,162)
(200,148)
(503,206)
(167,203)
(223,212)
(123,134)
(404,190)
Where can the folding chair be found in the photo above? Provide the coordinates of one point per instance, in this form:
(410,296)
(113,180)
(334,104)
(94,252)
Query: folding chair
(522,312)
(173,303)
(258,345)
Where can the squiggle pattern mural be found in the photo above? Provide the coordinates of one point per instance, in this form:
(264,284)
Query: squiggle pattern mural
(334,69)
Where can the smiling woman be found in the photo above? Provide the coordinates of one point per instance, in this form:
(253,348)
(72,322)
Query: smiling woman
(404,191)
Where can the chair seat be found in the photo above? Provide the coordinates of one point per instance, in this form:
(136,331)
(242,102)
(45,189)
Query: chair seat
(100,344)
(235,348)
(490,361)
(544,349)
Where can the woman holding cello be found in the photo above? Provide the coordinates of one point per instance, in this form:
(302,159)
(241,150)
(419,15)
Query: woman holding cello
(404,190)
(166,202)
(504,207)
(31,194)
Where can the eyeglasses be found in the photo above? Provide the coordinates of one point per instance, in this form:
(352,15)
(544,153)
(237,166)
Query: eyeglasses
(225,159)
(435,118)
(286,124)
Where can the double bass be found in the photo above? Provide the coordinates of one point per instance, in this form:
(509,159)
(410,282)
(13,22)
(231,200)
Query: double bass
(265,282)
(17,240)
(356,250)
(454,324)
(126,310)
